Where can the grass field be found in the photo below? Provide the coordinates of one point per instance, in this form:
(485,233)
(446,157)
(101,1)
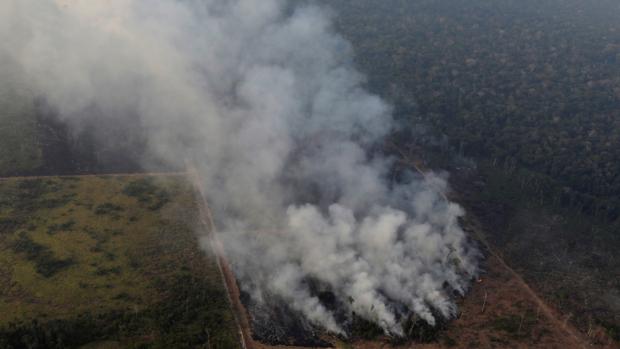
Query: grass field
(107,262)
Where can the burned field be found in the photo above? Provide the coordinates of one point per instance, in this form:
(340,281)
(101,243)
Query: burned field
(500,311)
(107,262)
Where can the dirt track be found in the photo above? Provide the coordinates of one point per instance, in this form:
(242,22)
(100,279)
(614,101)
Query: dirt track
(241,316)
(134,174)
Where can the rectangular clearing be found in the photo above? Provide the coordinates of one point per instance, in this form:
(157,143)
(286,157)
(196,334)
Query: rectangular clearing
(110,262)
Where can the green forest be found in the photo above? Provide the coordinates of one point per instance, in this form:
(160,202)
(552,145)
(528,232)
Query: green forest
(520,84)
(520,102)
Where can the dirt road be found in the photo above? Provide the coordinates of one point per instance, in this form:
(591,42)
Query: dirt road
(228,277)
(578,339)
(133,174)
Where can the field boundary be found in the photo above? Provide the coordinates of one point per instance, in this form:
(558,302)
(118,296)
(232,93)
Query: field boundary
(130,174)
(228,278)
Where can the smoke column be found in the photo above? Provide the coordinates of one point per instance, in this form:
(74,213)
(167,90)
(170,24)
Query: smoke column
(264,97)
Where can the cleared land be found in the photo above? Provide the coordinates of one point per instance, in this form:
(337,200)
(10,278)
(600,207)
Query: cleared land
(107,262)
(498,313)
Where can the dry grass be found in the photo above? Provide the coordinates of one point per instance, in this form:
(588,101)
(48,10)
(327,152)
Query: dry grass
(127,254)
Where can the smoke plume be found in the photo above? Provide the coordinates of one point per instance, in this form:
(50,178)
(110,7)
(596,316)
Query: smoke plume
(263,96)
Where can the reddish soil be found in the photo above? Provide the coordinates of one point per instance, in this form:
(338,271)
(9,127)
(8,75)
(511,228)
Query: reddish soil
(501,312)
(502,296)
(241,316)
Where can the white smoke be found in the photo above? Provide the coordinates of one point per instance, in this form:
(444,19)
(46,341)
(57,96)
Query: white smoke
(266,100)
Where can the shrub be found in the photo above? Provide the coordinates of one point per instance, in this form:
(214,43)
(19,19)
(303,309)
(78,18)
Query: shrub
(148,193)
(66,226)
(108,208)
(45,262)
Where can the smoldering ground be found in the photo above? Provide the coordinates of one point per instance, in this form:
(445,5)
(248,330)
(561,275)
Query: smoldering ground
(263,96)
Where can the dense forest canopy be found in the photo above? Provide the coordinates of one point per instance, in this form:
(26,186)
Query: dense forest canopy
(521,84)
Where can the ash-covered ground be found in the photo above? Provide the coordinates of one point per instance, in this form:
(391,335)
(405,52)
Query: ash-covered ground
(274,322)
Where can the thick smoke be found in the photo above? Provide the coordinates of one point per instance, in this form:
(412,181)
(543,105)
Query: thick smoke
(264,98)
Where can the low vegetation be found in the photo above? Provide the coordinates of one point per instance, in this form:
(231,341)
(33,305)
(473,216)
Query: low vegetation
(100,268)
(44,260)
(147,193)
